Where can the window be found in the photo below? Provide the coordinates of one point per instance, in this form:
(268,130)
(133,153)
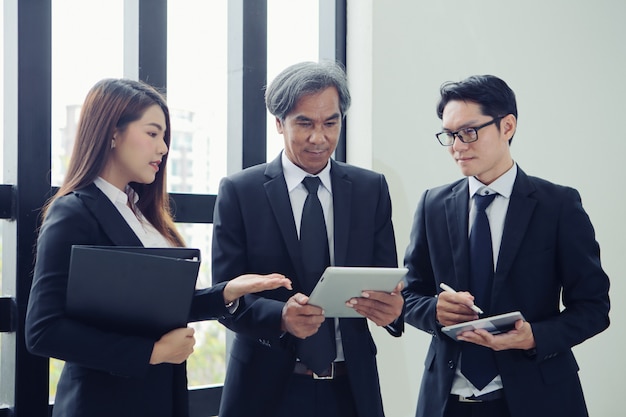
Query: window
(89,41)
(207,364)
(197,96)
(78,62)
(6,395)
(284,19)
(196,92)
(2,102)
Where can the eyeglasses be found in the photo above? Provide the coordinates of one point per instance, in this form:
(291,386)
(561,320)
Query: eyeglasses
(466,135)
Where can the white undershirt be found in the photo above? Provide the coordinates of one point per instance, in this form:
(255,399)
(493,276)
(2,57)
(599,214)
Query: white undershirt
(145,231)
(297,195)
(496,213)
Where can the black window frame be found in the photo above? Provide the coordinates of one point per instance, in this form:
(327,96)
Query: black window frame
(21,202)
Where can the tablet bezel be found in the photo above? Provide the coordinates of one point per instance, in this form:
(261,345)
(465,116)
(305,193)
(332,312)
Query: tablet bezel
(500,323)
(340,283)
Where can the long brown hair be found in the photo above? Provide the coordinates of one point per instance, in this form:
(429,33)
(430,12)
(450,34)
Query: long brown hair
(111,105)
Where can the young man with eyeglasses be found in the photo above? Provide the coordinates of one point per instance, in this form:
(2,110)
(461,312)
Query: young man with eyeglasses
(537,249)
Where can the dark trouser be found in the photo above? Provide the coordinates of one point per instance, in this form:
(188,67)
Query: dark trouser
(492,408)
(308,397)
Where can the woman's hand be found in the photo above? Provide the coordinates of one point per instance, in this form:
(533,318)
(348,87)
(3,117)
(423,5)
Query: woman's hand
(173,347)
(249,283)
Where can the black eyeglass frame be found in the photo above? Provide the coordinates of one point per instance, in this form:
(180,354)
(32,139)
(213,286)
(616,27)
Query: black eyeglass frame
(454,135)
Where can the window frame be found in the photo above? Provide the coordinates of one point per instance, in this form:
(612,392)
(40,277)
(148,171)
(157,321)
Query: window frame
(21,199)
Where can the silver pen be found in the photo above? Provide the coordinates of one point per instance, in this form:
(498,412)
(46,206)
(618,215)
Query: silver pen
(449,289)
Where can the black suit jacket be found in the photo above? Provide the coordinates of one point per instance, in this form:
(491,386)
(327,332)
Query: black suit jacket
(105,374)
(254,232)
(548,254)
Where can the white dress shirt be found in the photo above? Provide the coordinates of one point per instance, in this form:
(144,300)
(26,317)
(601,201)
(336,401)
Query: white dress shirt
(297,195)
(145,231)
(496,213)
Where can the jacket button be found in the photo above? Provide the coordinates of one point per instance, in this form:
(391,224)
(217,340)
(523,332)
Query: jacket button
(450,364)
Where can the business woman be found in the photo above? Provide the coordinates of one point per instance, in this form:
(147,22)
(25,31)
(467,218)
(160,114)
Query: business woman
(115,194)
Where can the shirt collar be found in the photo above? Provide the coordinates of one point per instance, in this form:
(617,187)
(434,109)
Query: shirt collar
(294,174)
(115,194)
(503,185)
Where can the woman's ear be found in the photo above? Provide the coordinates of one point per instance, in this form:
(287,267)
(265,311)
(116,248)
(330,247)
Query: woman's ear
(113,140)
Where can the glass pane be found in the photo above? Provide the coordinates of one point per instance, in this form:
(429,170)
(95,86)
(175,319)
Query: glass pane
(6,391)
(56,366)
(7,388)
(87,46)
(207,364)
(1,135)
(1,242)
(197,97)
(284,19)
(3,394)
(1,104)
(197,94)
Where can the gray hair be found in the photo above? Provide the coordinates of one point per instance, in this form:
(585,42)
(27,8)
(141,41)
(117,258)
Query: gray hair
(302,79)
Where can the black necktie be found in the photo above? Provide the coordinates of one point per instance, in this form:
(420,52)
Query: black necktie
(316,351)
(477,362)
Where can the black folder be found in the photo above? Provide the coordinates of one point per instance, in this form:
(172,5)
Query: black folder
(132,290)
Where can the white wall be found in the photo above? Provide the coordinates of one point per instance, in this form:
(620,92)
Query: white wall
(565,60)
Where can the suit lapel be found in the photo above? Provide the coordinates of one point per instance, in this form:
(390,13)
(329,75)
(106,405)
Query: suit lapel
(521,208)
(113,224)
(518,216)
(278,197)
(457,209)
(342,205)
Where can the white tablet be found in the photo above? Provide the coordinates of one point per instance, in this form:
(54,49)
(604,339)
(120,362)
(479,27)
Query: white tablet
(495,324)
(339,283)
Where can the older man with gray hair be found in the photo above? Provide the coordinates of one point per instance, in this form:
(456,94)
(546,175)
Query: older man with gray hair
(296,215)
